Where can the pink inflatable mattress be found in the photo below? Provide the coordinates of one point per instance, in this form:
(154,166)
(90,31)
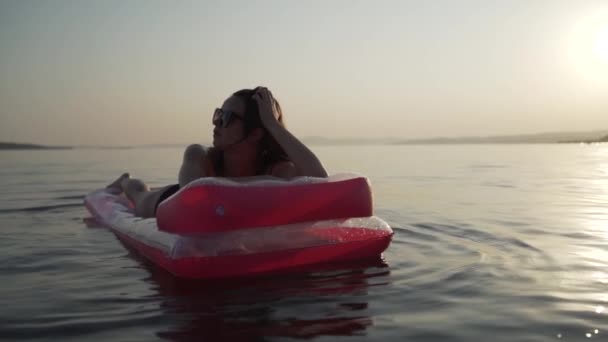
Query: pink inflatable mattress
(218,228)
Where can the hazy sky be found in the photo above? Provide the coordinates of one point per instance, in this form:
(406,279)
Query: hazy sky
(140,72)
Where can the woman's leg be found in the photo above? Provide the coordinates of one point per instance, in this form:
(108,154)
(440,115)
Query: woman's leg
(139,193)
(116,186)
(144,198)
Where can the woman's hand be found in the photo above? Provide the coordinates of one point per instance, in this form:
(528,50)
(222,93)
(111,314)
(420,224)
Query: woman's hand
(269,111)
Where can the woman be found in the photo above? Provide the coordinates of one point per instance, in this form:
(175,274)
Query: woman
(249,140)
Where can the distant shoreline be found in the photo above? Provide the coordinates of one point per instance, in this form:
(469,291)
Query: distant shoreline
(25,146)
(538,138)
(592,141)
(542,138)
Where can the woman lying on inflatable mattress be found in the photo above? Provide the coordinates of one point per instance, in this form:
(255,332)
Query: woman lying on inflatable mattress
(249,139)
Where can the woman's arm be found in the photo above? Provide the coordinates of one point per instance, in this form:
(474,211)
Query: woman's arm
(305,161)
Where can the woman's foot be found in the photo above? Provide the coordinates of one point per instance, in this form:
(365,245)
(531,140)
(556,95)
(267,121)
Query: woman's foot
(116,186)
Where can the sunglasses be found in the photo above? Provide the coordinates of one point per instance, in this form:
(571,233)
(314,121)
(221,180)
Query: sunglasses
(224,118)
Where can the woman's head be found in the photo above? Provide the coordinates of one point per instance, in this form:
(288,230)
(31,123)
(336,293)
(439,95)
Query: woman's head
(229,123)
(238,125)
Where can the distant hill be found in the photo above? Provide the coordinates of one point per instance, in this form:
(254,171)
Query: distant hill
(538,138)
(347,141)
(587,141)
(22,146)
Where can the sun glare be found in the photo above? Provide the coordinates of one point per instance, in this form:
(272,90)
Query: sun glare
(588,48)
(601,44)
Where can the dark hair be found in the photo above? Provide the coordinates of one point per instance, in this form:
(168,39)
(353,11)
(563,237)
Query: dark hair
(270,150)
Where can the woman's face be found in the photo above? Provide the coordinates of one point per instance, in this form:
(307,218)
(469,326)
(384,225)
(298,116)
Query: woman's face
(229,125)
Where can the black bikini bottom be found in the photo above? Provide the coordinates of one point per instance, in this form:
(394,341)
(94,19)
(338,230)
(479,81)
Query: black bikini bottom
(166,194)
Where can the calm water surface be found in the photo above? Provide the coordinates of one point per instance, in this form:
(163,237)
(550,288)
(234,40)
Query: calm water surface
(500,242)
